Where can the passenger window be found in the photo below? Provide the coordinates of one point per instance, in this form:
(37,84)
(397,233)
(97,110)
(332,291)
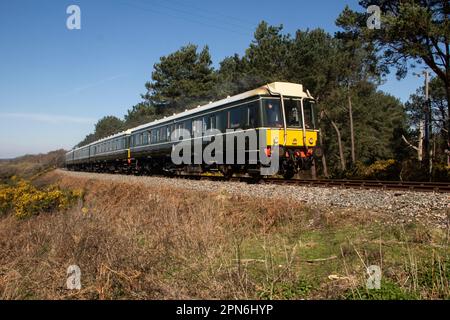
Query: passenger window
(179,127)
(162,134)
(235,118)
(197,127)
(252,115)
(153,136)
(188,127)
(222,120)
(204,124)
(168,132)
(212,122)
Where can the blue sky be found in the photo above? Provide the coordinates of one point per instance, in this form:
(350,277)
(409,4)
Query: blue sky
(56,83)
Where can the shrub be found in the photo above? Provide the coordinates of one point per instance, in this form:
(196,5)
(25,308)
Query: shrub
(383,170)
(27,200)
(441,172)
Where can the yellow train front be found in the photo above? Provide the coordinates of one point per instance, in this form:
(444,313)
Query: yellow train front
(289,122)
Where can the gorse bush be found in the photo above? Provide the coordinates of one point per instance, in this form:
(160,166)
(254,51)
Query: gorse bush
(393,170)
(379,170)
(441,172)
(383,170)
(25,200)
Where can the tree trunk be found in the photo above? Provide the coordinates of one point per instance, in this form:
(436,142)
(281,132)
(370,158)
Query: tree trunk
(341,151)
(421,138)
(324,159)
(352,134)
(447,93)
(313,169)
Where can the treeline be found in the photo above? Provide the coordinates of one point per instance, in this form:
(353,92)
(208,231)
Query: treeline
(360,124)
(29,166)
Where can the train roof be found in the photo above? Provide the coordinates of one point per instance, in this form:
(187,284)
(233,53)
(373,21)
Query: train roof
(275,89)
(117,135)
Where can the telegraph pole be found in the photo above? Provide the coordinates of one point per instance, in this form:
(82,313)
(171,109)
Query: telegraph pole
(427,151)
(426,129)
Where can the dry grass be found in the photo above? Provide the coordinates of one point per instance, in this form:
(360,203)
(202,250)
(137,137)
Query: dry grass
(135,242)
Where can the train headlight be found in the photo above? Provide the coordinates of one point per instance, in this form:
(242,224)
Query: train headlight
(275,140)
(311,140)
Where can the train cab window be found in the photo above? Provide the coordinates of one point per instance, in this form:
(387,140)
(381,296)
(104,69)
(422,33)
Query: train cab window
(293,111)
(308,109)
(272,113)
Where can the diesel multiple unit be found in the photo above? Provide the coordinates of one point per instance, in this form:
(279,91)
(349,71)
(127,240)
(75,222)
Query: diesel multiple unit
(280,112)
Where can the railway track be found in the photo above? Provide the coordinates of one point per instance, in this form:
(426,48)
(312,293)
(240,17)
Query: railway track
(372,184)
(440,187)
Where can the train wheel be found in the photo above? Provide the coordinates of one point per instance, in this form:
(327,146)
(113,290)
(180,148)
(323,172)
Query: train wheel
(288,174)
(227,171)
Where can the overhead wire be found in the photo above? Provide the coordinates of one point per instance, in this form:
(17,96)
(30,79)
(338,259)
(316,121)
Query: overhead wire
(160,11)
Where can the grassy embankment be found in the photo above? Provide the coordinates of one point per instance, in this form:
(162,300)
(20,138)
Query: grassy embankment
(30,166)
(145,242)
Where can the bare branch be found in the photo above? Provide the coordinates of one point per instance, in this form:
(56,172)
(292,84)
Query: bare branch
(409,144)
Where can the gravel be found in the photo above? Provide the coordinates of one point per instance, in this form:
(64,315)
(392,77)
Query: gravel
(406,206)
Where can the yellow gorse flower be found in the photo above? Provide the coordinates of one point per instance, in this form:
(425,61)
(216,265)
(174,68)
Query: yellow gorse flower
(25,200)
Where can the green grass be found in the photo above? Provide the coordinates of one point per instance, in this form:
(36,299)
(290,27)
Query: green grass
(404,254)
